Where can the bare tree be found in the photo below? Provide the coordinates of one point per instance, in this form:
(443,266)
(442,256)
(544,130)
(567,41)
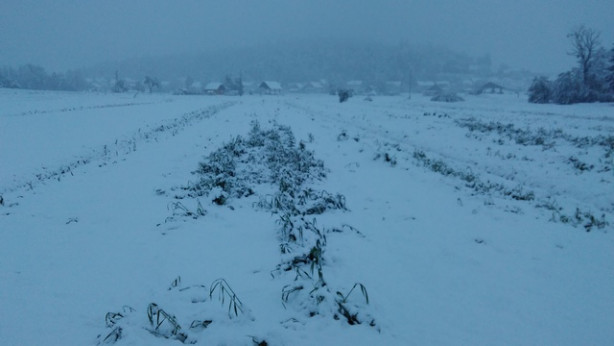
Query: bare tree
(151,83)
(610,73)
(120,85)
(584,44)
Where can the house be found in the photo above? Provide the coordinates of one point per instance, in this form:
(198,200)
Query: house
(96,84)
(270,88)
(294,87)
(313,87)
(215,88)
(250,87)
(356,86)
(433,90)
(491,87)
(195,88)
(393,88)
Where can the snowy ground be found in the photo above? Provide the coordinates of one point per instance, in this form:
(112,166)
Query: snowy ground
(471,221)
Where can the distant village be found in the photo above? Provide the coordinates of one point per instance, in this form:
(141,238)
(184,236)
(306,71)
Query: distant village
(439,89)
(446,87)
(443,77)
(303,68)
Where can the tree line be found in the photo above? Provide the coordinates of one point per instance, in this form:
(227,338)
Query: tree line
(592,80)
(35,77)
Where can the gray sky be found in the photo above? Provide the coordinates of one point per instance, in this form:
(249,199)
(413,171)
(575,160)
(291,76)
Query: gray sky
(64,34)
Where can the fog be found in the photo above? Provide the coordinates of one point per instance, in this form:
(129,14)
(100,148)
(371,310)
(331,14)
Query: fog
(68,34)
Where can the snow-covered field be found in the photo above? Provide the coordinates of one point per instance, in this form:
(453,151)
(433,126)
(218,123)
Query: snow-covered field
(484,222)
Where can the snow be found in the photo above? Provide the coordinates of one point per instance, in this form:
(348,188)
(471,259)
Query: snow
(88,223)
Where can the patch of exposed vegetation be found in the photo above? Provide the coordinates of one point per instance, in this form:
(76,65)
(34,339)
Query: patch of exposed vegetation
(264,157)
(524,137)
(162,323)
(244,167)
(586,219)
(541,137)
(471,180)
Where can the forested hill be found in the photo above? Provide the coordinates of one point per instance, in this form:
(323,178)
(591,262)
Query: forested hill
(302,61)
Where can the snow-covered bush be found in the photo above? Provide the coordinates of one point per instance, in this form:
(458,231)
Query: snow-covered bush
(540,90)
(568,88)
(264,157)
(447,97)
(344,95)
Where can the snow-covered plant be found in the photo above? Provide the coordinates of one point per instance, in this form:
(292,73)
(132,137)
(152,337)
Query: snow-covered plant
(579,165)
(265,156)
(569,88)
(471,180)
(226,292)
(527,137)
(363,290)
(540,90)
(288,290)
(112,337)
(163,324)
(351,312)
(180,210)
(112,320)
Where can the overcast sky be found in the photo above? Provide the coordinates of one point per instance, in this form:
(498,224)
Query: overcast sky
(65,34)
